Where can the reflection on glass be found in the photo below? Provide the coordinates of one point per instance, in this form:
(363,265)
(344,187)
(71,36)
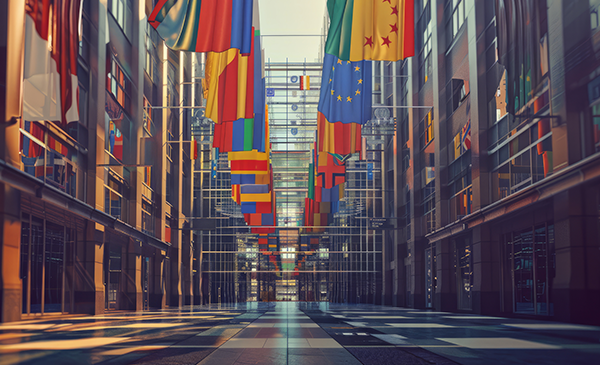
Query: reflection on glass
(54,266)
(464,272)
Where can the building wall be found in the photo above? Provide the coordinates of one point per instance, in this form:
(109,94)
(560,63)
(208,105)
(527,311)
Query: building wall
(516,213)
(90,206)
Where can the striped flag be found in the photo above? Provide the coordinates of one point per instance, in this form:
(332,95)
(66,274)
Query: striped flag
(204,25)
(50,85)
(304,82)
(371,30)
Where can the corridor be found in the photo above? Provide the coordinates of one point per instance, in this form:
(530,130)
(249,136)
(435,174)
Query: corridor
(295,333)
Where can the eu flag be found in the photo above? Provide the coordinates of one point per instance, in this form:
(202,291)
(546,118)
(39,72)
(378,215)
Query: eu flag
(346,89)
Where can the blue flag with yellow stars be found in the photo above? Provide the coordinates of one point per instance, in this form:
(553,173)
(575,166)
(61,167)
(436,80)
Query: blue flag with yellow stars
(346,89)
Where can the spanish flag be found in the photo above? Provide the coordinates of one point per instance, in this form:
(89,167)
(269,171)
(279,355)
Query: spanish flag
(381,30)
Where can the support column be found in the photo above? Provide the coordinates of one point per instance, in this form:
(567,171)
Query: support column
(89,269)
(12,19)
(133,277)
(575,293)
(486,271)
(445,292)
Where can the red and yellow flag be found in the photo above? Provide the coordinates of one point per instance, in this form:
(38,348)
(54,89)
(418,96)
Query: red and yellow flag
(381,30)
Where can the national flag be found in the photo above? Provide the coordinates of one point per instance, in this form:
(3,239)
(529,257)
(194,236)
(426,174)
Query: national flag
(249,165)
(329,173)
(544,148)
(341,138)
(255,193)
(115,140)
(57,146)
(311,172)
(346,90)
(29,148)
(304,82)
(204,25)
(457,145)
(194,149)
(50,86)
(214,163)
(371,30)
(260,112)
(466,136)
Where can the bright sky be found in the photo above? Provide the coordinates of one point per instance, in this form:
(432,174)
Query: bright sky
(291,17)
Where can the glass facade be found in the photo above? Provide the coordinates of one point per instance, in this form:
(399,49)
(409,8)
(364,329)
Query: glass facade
(530,267)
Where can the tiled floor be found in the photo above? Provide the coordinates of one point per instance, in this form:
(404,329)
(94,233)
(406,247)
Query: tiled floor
(296,333)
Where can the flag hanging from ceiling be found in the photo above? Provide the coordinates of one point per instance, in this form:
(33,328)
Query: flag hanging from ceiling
(330,171)
(260,112)
(341,138)
(371,30)
(50,85)
(204,25)
(229,86)
(346,90)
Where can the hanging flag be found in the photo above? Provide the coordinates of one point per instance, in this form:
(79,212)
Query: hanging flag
(466,136)
(371,30)
(214,163)
(457,146)
(50,85)
(329,173)
(204,25)
(341,138)
(346,90)
(260,112)
(194,149)
(229,85)
(230,100)
(304,82)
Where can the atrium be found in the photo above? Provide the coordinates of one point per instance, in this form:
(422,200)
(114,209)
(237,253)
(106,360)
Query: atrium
(299,182)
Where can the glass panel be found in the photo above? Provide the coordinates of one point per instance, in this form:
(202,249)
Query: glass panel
(114,276)
(37,262)
(54,266)
(523,273)
(25,259)
(464,272)
(428,279)
(541,267)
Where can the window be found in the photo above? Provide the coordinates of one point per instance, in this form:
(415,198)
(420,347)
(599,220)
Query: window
(457,90)
(463,262)
(152,59)
(115,194)
(121,11)
(118,84)
(147,219)
(596,127)
(457,18)
(47,157)
(523,158)
(530,260)
(425,28)
(84,39)
(426,129)
(147,115)
(114,142)
(429,214)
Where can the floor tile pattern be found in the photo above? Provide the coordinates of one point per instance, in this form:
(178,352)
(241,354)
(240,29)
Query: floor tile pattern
(295,333)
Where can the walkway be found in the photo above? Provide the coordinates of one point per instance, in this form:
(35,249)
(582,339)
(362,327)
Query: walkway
(296,333)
